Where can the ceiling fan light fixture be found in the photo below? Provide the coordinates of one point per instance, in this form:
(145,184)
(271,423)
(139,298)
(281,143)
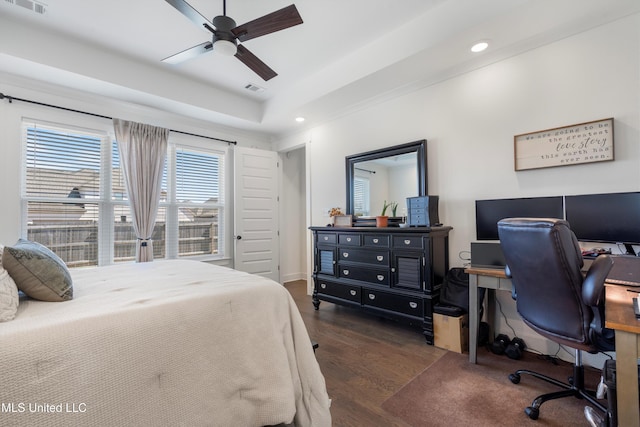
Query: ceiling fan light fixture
(225,47)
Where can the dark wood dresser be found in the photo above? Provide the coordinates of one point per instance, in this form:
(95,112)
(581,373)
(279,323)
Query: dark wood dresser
(392,272)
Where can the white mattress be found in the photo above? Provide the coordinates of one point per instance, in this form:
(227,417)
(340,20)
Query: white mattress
(166,343)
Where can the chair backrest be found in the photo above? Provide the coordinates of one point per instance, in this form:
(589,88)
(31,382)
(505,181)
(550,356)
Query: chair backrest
(545,262)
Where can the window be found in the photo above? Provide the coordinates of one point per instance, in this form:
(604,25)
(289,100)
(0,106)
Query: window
(75,201)
(61,191)
(198,200)
(361,196)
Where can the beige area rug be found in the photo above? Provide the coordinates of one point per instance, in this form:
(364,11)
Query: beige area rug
(453,392)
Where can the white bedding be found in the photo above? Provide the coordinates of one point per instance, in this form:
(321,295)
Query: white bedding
(166,343)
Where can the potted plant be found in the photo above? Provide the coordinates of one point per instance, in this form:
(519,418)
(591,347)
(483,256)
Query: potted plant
(394,208)
(382,220)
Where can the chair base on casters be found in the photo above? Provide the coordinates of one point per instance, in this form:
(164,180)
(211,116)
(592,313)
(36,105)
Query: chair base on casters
(575,387)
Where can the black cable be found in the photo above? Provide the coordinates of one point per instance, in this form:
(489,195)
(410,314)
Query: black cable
(12,98)
(460,255)
(505,317)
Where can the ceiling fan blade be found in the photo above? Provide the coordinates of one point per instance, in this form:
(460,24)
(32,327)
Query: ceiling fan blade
(190,53)
(193,15)
(256,65)
(275,21)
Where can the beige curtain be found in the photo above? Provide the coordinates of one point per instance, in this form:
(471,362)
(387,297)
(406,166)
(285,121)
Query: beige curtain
(143,149)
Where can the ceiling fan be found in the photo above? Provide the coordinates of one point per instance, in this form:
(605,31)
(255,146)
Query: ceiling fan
(226,35)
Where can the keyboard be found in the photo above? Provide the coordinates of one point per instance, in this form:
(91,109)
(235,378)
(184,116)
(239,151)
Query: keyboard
(625,270)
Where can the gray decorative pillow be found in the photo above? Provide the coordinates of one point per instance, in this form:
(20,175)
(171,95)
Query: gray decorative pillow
(8,296)
(37,271)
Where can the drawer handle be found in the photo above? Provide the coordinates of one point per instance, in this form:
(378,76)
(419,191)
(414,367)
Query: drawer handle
(345,254)
(413,304)
(380,258)
(407,242)
(380,277)
(375,240)
(326,237)
(323,285)
(345,272)
(348,239)
(352,292)
(372,296)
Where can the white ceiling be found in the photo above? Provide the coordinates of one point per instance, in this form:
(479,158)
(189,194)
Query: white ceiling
(346,53)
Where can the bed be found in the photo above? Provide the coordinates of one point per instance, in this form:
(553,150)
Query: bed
(164,343)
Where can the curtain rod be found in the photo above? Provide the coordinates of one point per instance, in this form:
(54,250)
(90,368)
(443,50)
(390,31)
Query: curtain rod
(365,170)
(11,99)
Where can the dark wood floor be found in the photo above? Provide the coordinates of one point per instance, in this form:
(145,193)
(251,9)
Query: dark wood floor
(364,359)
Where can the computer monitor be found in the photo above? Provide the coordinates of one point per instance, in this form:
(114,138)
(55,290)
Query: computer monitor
(489,212)
(608,218)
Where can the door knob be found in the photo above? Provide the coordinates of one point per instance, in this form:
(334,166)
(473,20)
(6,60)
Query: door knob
(239,237)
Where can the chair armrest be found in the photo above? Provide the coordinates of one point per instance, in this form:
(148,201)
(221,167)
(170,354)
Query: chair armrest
(507,272)
(593,284)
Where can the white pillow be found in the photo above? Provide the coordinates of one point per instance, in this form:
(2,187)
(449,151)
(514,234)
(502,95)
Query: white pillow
(8,297)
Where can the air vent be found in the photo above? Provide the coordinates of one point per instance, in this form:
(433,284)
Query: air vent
(254,88)
(33,6)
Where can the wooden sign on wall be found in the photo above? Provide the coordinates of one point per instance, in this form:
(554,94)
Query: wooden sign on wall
(570,145)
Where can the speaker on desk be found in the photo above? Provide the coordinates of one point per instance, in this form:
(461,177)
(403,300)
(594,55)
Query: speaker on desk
(422,211)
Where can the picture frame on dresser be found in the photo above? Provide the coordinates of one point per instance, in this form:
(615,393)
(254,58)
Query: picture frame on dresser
(342,221)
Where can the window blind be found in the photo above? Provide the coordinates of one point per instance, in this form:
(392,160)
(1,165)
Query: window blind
(199,198)
(61,164)
(361,196)
(62,191)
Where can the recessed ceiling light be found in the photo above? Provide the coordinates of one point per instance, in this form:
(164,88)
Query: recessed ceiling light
(299,119)
(479,47)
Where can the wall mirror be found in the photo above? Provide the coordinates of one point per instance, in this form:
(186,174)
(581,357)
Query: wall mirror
(390,174)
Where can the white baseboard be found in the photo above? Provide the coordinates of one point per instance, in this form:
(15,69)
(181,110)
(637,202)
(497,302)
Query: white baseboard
(293,277)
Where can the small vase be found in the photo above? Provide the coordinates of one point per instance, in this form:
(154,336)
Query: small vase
(382,221)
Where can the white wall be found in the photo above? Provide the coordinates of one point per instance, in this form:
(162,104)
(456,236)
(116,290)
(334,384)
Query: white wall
(405,185)
(293,262)
(470,121)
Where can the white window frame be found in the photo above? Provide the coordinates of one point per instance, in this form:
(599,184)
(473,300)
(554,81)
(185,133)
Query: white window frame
(172,205)
(106,203)
(105,238)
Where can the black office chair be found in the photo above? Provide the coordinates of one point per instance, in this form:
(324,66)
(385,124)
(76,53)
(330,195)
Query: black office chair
(554,298)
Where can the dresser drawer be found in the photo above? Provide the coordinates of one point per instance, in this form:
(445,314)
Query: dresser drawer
(364,274)
(380,258)
(376,240)
(418,217)
(349,239)
(417,202)
(407,241)
(412,306)
(346,292)
(327,238)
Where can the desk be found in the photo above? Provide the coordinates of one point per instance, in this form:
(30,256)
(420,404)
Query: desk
(619,317)
(491,279)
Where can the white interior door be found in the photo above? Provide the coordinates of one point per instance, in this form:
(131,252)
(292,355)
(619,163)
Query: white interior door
(256,248)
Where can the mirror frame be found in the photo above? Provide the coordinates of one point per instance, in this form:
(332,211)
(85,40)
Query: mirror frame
(419,147)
